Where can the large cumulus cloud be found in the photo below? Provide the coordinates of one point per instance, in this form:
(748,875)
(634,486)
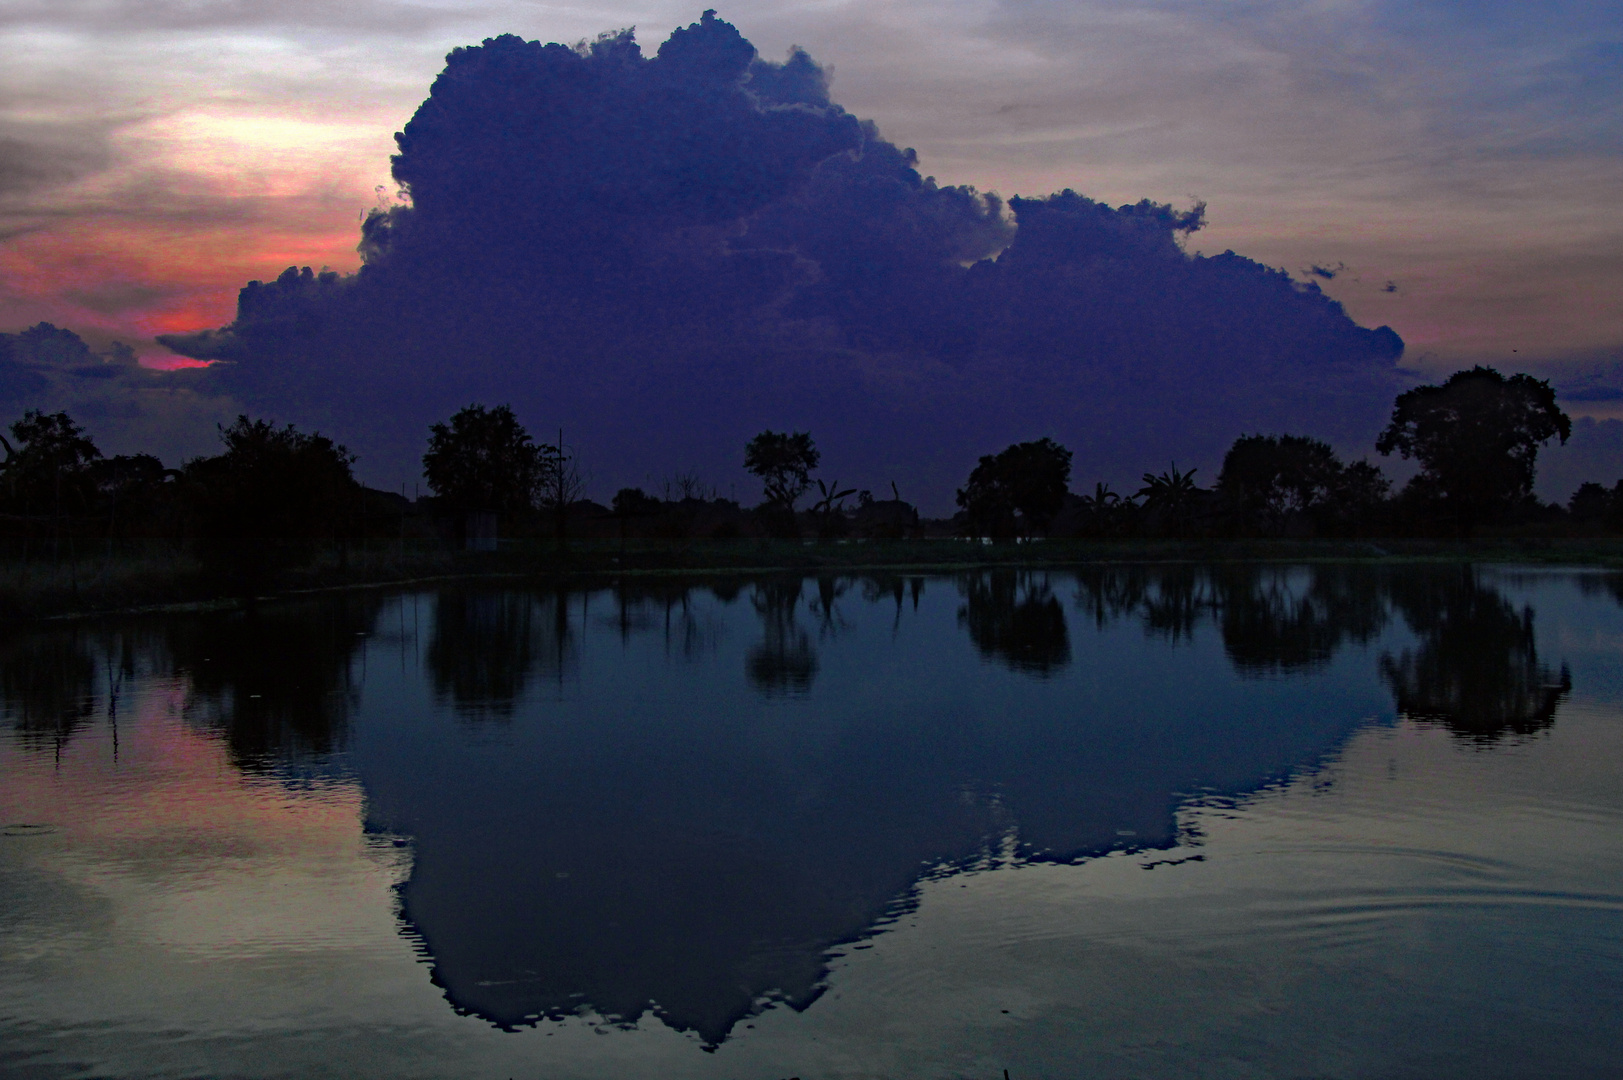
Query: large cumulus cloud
(665,254)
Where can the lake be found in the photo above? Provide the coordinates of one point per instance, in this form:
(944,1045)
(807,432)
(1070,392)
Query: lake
(1134,821)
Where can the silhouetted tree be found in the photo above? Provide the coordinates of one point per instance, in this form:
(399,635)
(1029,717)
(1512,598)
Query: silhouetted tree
(1276,482)
(132,492)
(1477,438)
(829,511)
(1360,502)
(1105,512)
(1170,499)
(485,460)
(50,468)
(260,504)
(1590,505)
(1017,490)
(634,502)
(561,484)
(784,463)
(1271,479)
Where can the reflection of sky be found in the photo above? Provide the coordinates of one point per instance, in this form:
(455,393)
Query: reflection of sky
(159,155)
(1410,895)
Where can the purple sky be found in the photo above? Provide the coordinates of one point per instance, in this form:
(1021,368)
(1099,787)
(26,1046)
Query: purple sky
(1456,165)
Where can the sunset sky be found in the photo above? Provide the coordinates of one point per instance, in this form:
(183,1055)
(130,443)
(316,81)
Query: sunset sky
(155,156)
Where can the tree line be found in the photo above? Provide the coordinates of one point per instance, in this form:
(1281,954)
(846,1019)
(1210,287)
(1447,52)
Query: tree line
(272,492)
(1475,439)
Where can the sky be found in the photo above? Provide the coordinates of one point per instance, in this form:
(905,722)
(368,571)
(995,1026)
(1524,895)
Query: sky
(1451,169)
(158,155)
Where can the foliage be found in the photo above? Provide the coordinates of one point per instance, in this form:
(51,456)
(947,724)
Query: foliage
(829,511)
(132,491)
(1019,489)
(1105,512)
(1477,438)
(485,460)
(1272,482)
(634,502)
(1171,499)
(1272,478)
(50,470)
(1360,501)
(560,482)
(784,464)
(258,505)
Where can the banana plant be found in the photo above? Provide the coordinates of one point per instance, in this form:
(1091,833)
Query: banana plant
(1103,500)
(833,498)
(1172,494)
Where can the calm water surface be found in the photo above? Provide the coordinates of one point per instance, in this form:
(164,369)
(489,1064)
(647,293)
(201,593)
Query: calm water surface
(1135,822)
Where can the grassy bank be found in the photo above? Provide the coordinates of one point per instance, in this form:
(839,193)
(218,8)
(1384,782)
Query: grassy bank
(53,583)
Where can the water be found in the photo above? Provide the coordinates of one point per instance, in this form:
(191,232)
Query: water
(1135,822)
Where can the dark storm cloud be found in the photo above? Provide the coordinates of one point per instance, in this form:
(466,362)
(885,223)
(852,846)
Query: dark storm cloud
(666,254)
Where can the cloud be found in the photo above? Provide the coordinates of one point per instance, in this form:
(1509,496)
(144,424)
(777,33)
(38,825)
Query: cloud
(1428,142)
(665,254)
(126,408)
(36,156)
(372,16)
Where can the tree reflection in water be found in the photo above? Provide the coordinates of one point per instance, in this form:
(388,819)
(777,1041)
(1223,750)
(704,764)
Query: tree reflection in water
(1275,624)
(48,685)
(275,679)
(685,847)
(876,587)
(784,662)
(642,605)
(488,645)
(1012,616)
(1476,669)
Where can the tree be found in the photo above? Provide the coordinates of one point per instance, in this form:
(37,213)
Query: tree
(1105,511)
(485,460)
(1360,502)
(51,467)
(1477,438)
(261,503)
(1270,479)
(130,490)
(1171,499)
(560,482)
(635,502)
(1590,505)
(1017,490)
(784,463)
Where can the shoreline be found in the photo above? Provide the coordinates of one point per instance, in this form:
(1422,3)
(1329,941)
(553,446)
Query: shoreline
(181,586)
